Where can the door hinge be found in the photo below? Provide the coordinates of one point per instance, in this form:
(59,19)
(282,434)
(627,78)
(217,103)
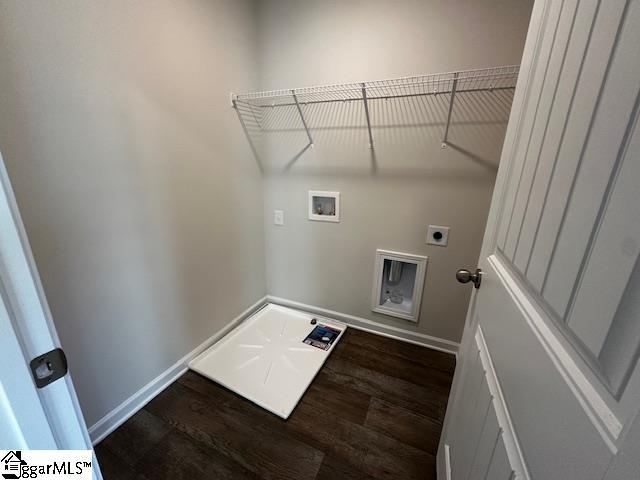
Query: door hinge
(49,367)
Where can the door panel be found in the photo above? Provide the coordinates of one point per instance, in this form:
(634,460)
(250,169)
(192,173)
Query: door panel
(484,454)
(500,469)
(475,413)
(547,408)
(486,428)
(584,238)
(554,330)
(599,44)
(554,131)
(609,265)
(542,53)
(536,136)
(600,160)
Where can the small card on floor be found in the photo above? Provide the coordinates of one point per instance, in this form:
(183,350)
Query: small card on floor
(322,336)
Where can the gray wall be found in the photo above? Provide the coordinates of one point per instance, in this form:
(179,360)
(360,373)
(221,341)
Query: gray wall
(387,199)
(144,205)
(139,193)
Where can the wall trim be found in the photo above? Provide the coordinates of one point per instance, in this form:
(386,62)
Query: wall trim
(447,462)
(371,326)
(120,414)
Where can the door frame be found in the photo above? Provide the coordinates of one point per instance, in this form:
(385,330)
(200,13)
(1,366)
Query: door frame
(33,323)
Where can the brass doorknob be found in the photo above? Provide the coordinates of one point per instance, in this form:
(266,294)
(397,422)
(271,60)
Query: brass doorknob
(465,276)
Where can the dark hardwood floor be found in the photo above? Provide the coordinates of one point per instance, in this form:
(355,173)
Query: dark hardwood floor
(374,411)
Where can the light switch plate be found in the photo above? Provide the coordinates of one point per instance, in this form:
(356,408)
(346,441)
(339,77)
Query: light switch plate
(278,217)
(437,235)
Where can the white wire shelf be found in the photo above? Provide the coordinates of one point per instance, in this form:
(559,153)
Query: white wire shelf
(450,83)
(467,81)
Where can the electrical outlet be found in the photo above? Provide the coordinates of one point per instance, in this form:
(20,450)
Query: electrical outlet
(437,235)
(278,217)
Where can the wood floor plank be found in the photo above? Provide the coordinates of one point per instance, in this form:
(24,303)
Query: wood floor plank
(384,346)
(374,411)
(178,457)
(259,449)
(338,399)
(420,399)
(220,395)
(114,467)
(397,367)
(320,424)
(375,454)
(136,436)
(404,425)
(336,469)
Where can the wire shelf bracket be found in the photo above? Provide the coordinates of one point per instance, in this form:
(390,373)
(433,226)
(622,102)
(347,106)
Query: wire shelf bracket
(452,97)
(304,122)
(234,105)
(366,113)
(451,83)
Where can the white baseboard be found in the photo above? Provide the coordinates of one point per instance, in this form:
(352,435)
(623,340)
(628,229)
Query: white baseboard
(135,402)
(360,323)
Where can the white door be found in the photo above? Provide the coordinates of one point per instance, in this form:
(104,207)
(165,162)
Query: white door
(46,418)
(548,383)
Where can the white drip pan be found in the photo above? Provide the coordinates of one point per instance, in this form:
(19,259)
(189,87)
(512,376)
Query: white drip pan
(265,360)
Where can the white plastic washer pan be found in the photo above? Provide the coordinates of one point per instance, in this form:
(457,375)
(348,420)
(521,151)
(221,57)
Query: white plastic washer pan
(265,360)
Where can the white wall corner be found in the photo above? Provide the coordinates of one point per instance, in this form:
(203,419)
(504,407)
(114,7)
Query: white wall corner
(139,399)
